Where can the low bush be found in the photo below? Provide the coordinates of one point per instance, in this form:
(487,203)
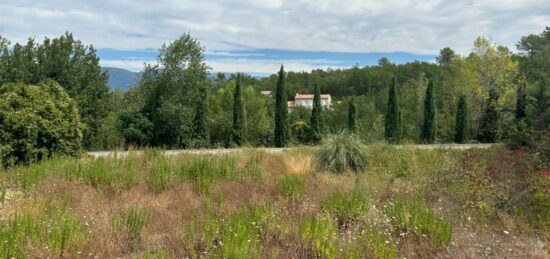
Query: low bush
(340,153)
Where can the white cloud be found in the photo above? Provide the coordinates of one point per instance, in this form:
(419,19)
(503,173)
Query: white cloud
(417,26)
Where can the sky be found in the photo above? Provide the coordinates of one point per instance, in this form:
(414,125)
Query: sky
(257,36)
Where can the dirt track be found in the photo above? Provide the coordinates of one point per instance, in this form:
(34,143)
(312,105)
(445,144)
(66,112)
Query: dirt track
(221,151)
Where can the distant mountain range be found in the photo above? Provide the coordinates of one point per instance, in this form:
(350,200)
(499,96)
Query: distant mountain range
(121,78)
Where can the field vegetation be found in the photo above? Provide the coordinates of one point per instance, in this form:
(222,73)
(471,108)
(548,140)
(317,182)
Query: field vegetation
(406,202)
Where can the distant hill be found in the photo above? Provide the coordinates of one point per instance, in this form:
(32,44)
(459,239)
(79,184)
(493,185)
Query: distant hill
(121,78)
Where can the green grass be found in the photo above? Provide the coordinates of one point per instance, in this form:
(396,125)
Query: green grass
(412,216)
(57,228)
(292,186)
(130,223)
(321,235)
(160,174)
(388,212)
(346,207)
(204,171)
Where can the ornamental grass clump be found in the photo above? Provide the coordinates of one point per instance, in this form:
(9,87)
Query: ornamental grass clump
(340,153)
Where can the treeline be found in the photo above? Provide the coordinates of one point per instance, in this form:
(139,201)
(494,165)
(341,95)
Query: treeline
(491,95)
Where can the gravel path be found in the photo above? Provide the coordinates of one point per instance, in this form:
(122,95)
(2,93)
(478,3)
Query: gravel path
(221,151)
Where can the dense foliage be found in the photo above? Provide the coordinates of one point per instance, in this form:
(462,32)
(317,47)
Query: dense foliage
(73,65)
(36,122)
(490,95)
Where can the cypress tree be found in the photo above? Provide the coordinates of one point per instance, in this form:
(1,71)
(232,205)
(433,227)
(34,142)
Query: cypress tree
(428,127)
(315,120)
(521,102)
(488,124)
(461,121)
(239,128)
(392,123)
(199,122)
(351,115)
(281,112)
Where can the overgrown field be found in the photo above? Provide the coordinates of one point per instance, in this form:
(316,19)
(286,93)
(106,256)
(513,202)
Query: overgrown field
(408,203)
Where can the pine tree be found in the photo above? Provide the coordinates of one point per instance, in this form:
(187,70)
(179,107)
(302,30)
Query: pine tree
(461,134)
(316,120)
(239,128)
(351,116)
(392,124)
(281,112)
(428,127)
(199,122)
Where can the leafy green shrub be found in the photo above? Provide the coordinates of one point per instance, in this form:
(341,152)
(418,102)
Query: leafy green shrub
(346,207)
(37,122)
(130,223)
(340,153)
(303,133)
(415,217)
(292,186)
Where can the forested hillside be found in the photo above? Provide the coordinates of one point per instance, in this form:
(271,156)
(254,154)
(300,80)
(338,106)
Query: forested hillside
(175,104)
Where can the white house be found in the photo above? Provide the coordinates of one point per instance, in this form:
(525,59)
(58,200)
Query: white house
(266,93)
(306,100)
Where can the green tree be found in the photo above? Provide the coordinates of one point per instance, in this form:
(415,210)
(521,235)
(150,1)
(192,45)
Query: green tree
(37,122)
(393,116)
(73,65)
(495,71)
(351,115)
(428,127)
(168,91)
(461,128)
(136,129)
(199,122)
(446,56)
(281,112)
(316,120)
(239,123)
(521,99)
(488,127)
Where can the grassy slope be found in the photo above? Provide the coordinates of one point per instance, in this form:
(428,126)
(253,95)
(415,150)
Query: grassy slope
(409,202)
